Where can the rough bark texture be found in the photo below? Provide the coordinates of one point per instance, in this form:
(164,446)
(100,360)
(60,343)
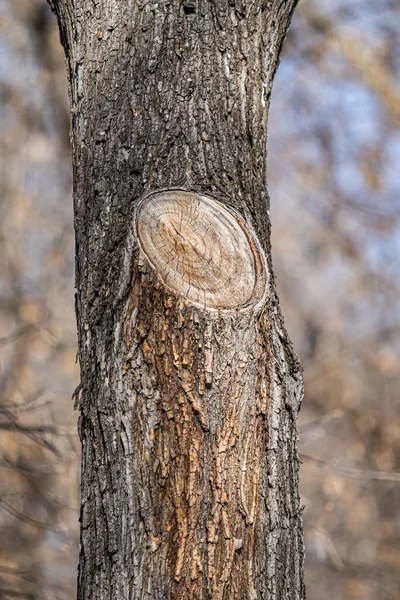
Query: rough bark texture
(188,412)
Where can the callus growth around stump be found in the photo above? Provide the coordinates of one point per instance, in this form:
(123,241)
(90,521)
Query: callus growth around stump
(201,249)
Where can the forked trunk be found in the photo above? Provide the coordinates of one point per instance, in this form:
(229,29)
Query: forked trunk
(190,388)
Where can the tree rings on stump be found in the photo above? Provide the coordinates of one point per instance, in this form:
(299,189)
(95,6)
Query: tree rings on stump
(200,249)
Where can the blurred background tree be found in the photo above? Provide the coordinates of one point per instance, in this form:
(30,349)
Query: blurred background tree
(334,181)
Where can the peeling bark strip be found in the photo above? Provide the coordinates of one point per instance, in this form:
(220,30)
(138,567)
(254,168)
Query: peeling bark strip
(190,387)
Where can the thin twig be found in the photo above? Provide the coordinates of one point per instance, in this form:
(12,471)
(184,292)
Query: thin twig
(353,472)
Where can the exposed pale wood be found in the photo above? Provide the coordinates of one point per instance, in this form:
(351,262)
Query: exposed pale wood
(199,248)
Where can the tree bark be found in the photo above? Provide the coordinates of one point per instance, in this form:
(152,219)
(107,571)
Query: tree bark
(190,389)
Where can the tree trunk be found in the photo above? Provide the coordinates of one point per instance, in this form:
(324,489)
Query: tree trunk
(190,389)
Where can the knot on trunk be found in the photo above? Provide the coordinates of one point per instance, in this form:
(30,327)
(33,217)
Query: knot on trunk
(201,249)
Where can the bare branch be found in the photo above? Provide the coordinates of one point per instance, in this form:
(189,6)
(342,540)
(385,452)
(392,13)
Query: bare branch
(352,472)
